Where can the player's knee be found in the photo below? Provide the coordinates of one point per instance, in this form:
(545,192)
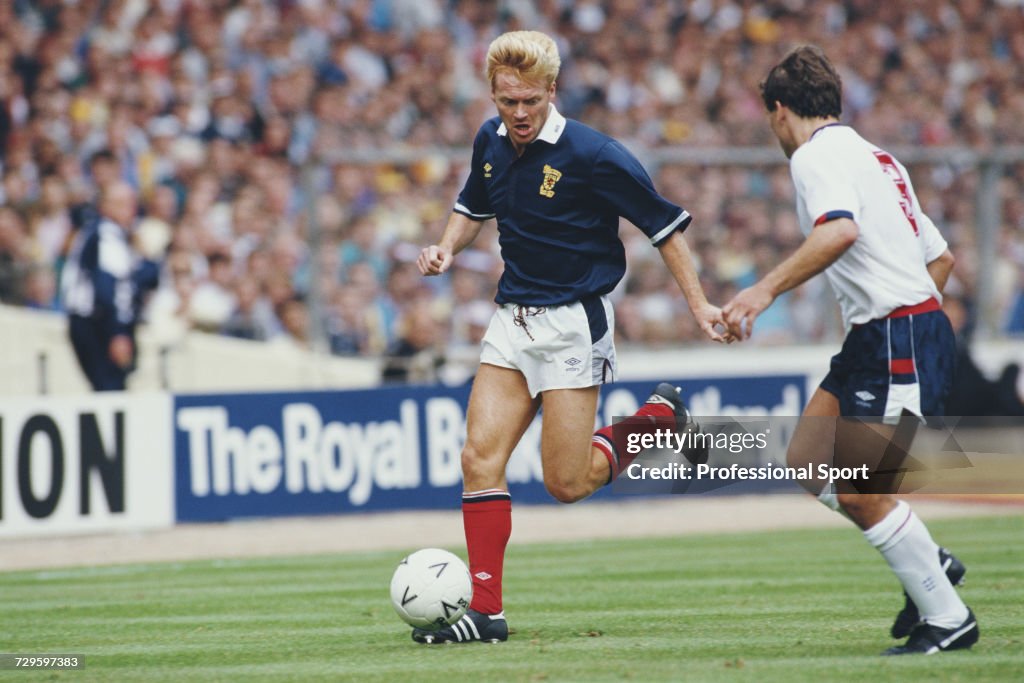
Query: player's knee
(565,490)
(476,464)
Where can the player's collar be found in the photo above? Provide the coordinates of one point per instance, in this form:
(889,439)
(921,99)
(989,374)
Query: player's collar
(821,128)
(552,129)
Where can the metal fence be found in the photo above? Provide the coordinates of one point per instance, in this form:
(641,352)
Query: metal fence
(987,175)
(989,225)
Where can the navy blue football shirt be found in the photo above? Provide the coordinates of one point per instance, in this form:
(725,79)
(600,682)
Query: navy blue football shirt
(558,207)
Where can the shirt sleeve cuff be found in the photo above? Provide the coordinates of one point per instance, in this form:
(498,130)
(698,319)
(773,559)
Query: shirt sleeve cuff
(459,208)
(680,223)
(833,215)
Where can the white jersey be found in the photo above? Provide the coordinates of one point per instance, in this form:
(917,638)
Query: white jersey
(839,174)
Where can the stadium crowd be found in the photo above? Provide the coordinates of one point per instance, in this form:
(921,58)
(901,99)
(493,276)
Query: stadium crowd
(214,110)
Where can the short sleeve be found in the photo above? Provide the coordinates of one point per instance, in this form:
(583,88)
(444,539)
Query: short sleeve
(824,188)
(620,180)
(932,240)
(473,201)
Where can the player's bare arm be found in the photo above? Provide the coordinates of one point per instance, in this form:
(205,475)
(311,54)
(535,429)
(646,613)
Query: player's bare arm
(821,249)
(940,269)
(458,234)
(676,254)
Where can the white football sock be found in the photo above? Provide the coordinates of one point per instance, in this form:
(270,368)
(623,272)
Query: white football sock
(907,546)
(829,499)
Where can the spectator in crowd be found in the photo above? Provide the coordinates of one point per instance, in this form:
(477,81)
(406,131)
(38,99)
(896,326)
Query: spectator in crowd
(167,312)
(415,355)
(39,288)
(50,221)
(252,317)
(213,300)
(294,316)
(104,169)
(348,325)
(14,254)
(210,109)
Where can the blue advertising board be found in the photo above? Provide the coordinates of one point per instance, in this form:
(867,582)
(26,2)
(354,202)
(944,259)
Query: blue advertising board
(330,452)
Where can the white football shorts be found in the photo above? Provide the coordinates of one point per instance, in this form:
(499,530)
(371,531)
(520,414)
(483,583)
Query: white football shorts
(555,347)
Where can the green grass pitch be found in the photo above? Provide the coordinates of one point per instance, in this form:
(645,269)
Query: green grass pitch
(772,606)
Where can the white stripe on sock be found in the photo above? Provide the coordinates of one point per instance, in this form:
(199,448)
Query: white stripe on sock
(484,492)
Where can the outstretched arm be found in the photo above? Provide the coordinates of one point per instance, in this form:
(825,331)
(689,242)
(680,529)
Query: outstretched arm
(826,243)
(676,254)
(458,234)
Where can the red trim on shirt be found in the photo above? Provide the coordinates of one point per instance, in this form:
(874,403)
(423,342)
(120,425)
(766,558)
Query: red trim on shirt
(832,215)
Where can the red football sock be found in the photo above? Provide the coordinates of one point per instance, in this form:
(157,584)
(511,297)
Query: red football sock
(656,409)
(611,440)
(487,518)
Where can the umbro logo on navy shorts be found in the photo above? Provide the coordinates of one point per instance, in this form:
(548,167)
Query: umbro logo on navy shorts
(886,366)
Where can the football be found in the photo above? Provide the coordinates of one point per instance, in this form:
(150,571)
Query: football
(431,588)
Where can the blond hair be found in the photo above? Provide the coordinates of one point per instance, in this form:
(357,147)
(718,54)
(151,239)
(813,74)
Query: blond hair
(531,56)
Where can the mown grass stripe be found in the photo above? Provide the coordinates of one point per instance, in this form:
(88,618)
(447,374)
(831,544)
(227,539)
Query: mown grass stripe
(786,606)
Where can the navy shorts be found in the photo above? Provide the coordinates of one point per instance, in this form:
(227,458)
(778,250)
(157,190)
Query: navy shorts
(91,343)
(904,362)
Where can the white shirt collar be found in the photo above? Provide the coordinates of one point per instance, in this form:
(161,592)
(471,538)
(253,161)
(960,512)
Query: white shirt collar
(552,130)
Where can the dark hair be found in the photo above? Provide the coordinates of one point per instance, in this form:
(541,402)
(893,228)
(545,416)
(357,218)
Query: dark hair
(805,82)
(102,156)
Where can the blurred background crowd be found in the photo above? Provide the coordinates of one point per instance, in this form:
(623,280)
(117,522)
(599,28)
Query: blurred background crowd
(214,110)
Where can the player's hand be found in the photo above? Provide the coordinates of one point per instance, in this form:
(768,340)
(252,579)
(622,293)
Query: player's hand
(434,260)
(742,311)
(121,351)
(711,321)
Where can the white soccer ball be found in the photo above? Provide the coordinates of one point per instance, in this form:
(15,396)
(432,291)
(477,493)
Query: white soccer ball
(431,589)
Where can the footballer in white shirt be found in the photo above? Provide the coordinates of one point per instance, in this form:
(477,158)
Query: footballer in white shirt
(888,265)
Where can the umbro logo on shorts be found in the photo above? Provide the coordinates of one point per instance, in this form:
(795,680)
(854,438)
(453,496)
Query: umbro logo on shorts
(573,362)
(865,395)
(483,576)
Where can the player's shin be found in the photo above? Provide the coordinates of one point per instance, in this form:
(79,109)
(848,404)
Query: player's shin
(664,410)
(487,519)
(907,546)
